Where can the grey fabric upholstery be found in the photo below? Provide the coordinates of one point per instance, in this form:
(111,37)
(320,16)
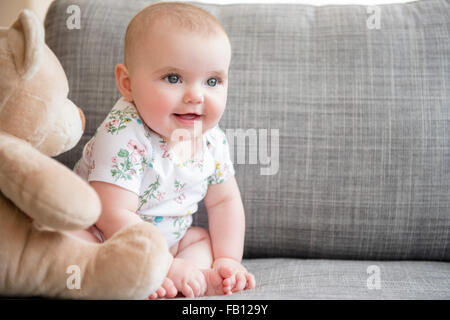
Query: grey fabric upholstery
(346,279)
(364,125)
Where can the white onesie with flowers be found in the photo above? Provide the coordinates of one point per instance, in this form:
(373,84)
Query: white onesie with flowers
(127,153)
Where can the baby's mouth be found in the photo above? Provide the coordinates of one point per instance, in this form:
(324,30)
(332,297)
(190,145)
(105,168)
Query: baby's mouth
(188,116)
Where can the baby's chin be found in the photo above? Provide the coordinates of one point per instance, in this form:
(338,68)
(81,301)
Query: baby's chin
(198,126)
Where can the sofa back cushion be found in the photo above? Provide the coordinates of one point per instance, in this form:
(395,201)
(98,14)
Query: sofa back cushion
(346,111)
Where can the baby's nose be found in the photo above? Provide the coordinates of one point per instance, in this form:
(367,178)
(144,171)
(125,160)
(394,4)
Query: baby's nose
(193,96)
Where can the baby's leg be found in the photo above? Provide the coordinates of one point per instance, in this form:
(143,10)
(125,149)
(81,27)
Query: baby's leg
(195,250)
(195,247)
(191,254)
(190,272)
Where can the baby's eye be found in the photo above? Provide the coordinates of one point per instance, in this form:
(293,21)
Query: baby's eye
(212,82)
(172,78)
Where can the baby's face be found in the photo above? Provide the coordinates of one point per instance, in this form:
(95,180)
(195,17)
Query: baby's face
(179,78)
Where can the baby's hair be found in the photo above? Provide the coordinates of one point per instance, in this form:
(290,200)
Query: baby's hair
(183,15)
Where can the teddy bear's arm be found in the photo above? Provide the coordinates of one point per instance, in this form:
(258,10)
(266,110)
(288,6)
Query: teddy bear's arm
(44,189)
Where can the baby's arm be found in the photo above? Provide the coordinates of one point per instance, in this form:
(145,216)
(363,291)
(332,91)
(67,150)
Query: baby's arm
(227,228)
(119,207)
(226,219)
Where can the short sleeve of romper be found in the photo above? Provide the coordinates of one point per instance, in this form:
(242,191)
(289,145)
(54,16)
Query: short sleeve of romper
(120,150)
(219,148)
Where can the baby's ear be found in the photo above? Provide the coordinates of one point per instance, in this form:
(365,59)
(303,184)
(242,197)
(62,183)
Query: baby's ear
(26,42)
(123,81)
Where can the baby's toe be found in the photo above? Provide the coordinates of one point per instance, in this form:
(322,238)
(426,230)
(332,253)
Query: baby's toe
(227,291)
(240,282)
(171,290)
(187,290)
(161,292)
(226,282)
(154,295)
(203,284)
(251,282)
(196,287)
(229,282)
(213,282)
(225,272)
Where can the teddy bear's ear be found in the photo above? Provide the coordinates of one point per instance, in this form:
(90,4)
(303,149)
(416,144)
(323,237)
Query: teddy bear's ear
(26,41)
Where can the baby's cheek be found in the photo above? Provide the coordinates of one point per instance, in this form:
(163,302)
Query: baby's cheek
(216,109)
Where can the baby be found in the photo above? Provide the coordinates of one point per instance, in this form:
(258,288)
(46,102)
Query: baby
(160,151)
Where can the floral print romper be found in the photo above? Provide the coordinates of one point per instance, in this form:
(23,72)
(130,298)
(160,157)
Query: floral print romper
(127,153)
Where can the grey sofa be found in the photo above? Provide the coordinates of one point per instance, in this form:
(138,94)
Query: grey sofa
(353,198)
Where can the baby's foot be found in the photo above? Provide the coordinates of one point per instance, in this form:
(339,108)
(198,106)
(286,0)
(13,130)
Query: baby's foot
(167,290)
(187,278)
(214,281)
(225,281)
(235,282)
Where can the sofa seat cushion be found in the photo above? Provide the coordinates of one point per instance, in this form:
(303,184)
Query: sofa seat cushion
(345,279)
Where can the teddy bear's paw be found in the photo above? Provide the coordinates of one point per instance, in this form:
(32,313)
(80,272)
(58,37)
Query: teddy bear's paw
(134,262)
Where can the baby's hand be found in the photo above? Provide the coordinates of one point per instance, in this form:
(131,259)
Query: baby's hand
(235,277)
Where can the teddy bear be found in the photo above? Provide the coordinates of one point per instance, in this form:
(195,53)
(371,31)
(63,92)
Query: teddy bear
(42,201)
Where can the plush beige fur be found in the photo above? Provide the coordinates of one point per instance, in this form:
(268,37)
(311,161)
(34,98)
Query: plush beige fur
(40,199)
